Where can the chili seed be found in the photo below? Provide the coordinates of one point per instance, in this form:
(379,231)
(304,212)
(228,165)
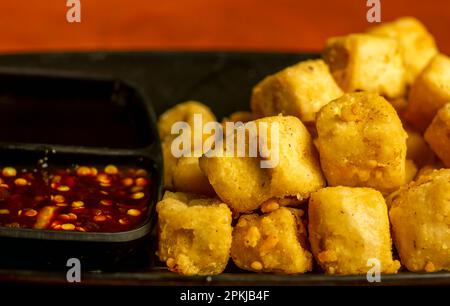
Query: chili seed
(59,198)
(4,211)
(256,265)
(142,182)
(30,213)
(123,221)
(94,171)
(106,202)
(62,204)
(137,195)
(77,204)
(63,188)
(103,178)
(133,212)
(80,229)
(9,172)
(64,217)
(72,216)
(136,189)
(128,181)
(99,218)
(111,169)
(68,227)
(141,172)
(84,171)
(56,179)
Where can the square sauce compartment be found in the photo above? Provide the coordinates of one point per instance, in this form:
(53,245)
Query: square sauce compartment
(75,111)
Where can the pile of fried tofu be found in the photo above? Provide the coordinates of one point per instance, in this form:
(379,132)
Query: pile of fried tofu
(364,158)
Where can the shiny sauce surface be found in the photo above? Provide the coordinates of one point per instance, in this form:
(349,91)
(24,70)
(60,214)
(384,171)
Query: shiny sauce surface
(81,198)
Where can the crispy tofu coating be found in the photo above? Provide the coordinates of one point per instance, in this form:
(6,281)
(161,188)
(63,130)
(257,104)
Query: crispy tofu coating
(420,217)
(348,226)
(299,90)
(184,112)
(438,134)
(363,62)
(274,242)
(362,142)
(243,184)
(410,171)
(429,92)
(241,116)
(428,169)
(184,174)
(417,149)
(417,45)
(194,234)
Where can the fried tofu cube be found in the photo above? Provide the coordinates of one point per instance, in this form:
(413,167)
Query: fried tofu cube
(428,169)
(417,45)
(274,242)
(183,174)
(188,177)
(299,90)
(194,234)
(429,92)
(420,217)
(184,112)
(244,184)
(417,149)
(349,227)
(410,171)
(363,62)
(362,142)
(438,134)
(241,116)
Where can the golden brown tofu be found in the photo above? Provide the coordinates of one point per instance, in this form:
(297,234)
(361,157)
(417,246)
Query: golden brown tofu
(417,45)
(428,169)
(347,228)
(243,184)
(299,90)
(410,171)
(241,116)
(363,62)
(184,112)
(420,217)
(187,177)
(417,149)
(274,242)
(183,174)
(438,134)
(194,234)
(429,92)
(362,142)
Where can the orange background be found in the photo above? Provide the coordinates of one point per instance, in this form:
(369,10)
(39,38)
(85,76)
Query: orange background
(279,25)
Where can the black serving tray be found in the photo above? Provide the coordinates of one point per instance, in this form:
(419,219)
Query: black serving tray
(222,80)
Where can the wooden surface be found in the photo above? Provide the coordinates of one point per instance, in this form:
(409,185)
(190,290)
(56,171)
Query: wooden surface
(277,25)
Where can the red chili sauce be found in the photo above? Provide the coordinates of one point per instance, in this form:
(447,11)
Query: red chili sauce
(82,198)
